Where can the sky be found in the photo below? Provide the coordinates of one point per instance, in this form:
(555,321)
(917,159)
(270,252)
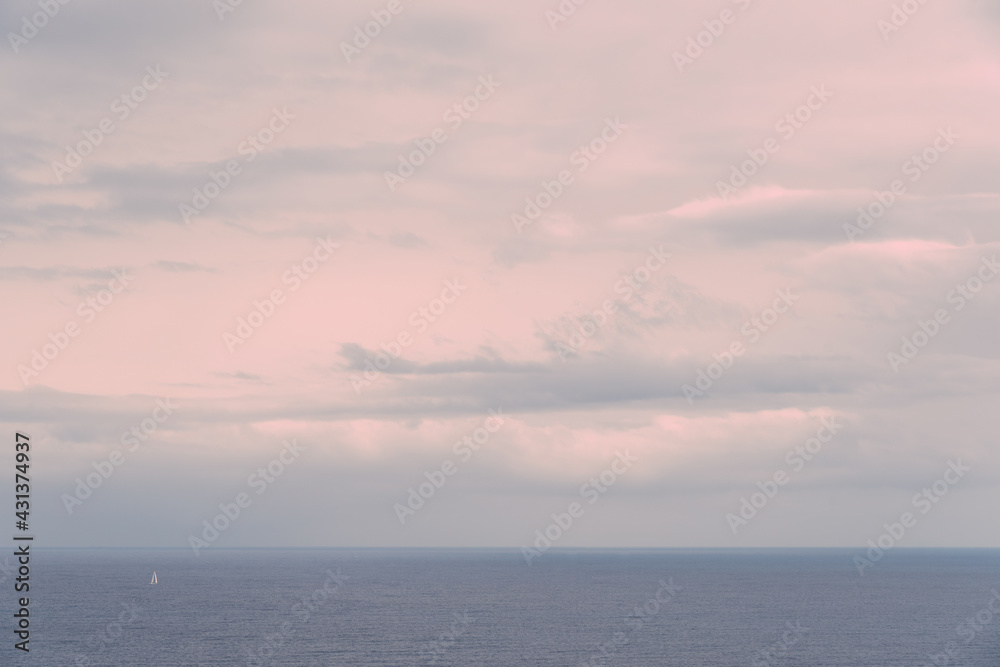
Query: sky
(630,274)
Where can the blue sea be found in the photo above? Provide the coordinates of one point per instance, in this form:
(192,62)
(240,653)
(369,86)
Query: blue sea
(683,608)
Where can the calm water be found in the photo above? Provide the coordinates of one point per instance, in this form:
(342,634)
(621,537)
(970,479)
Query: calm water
(718,608)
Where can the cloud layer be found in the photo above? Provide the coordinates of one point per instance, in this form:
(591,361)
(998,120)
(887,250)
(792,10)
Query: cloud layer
(366,243)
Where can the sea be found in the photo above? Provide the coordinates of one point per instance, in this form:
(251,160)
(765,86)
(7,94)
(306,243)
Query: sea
(571,608)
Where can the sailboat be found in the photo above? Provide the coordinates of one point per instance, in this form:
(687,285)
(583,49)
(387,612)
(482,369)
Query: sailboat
(154,578)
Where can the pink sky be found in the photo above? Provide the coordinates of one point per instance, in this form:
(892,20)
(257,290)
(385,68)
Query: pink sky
(502,341)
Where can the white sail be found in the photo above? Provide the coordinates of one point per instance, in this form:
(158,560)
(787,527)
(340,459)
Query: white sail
(154,578)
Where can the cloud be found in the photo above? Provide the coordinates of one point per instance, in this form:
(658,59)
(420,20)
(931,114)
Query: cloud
(309,327)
